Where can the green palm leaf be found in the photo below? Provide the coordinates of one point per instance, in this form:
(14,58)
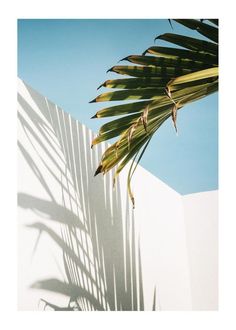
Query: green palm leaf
(190,43)
(148,71)
(122,109)
(166,62)
(133,83)
(206,30)
(176,53)
(131,94)
(163,83)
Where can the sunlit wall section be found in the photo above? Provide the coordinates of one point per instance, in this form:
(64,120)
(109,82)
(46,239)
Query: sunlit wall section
(81,246)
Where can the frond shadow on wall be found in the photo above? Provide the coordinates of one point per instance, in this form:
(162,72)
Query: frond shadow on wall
(97,240)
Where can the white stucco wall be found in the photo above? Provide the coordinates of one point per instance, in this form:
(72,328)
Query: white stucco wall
(78,237)
(201,223)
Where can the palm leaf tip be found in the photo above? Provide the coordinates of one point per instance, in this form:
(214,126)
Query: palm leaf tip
(174,117)
(158,37)
(169,20)
(102,85)
(110,70)
(93,101)
(124,59)
(98,170)
(145,52)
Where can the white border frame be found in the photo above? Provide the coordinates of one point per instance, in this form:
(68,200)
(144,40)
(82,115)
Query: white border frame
(123,9)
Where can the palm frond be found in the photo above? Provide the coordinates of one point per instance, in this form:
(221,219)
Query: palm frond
(162,80)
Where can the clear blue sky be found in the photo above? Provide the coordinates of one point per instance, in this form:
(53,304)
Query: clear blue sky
(66,60)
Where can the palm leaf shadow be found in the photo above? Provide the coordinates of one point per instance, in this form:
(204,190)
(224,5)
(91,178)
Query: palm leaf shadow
(98,243)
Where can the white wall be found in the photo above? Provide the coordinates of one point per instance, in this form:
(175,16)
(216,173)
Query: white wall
(79,238)
(201,222)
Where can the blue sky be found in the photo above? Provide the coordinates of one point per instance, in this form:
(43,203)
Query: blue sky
(66,60)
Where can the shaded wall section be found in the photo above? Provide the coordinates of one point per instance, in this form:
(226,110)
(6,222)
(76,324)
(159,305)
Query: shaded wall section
(201,214)
(81,246)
